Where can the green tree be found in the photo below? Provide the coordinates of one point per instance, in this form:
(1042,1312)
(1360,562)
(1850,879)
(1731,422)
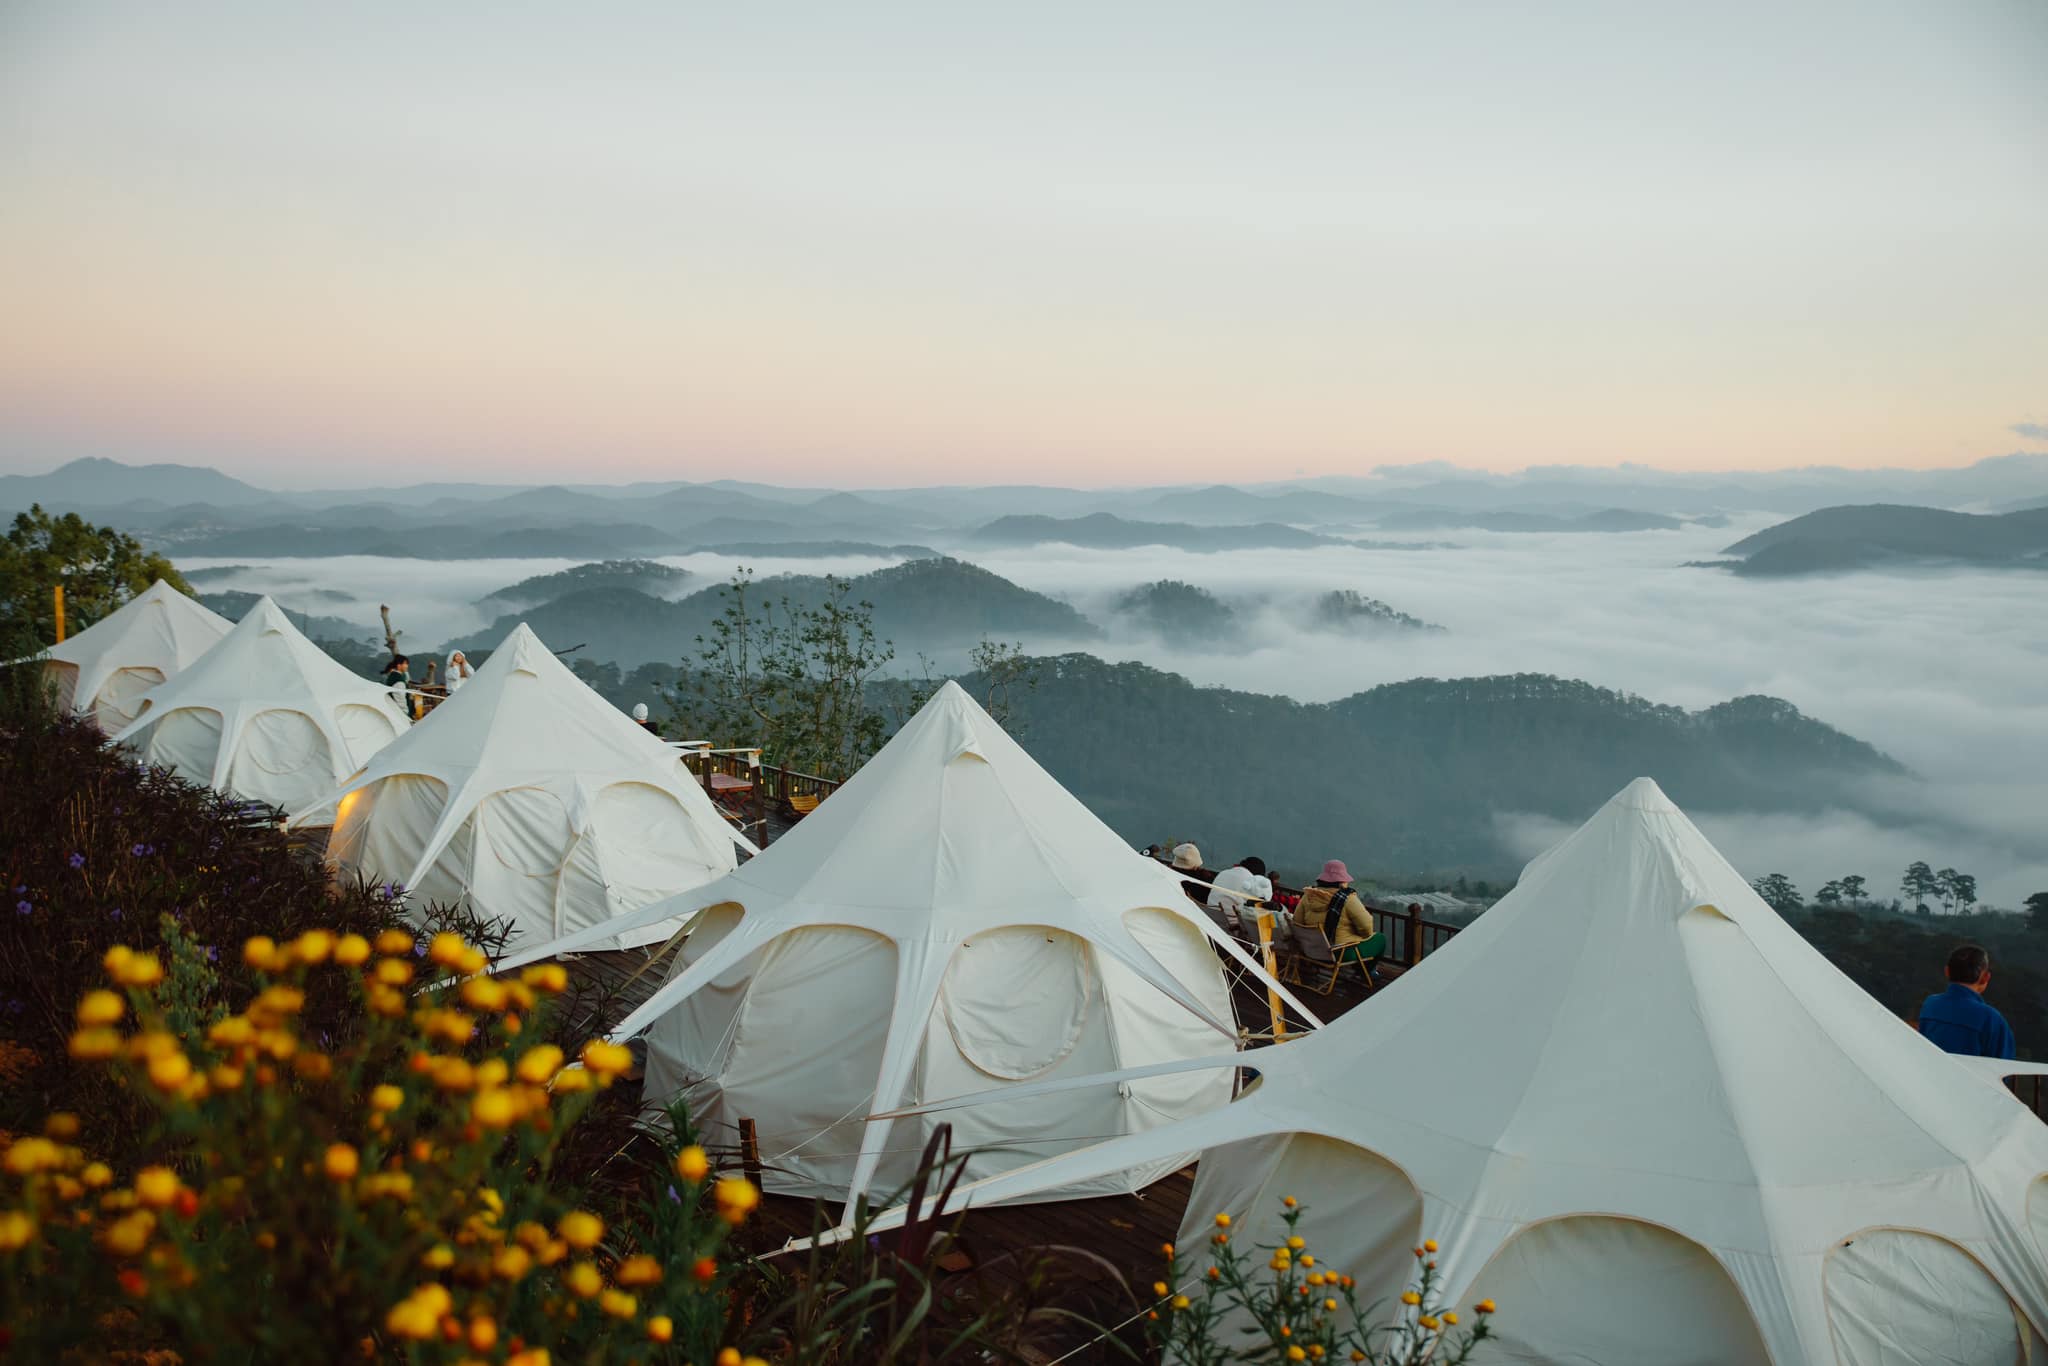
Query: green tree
(1958,891)
(1830,894)
(1918,884)
(1852,888)
(99,567)
(2037,912)
(1778,893)
(791,677)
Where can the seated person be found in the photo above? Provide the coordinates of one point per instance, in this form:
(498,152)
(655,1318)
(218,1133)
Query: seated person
(1336,908)
(1188,859)
(1247,878)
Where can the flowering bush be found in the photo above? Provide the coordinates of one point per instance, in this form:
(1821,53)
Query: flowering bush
(397,1195)
(1302,1311)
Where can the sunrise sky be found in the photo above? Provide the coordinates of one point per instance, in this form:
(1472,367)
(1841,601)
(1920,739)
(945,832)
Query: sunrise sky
(1078,243)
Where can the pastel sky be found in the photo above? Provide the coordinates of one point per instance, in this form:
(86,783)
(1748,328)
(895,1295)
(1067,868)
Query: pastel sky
(1082,243)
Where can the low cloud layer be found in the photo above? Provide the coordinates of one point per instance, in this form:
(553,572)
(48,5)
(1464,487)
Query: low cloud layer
(1941,669)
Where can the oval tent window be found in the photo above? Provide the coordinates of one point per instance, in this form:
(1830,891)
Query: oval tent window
(1016,999)
(526,829)
(1594,1288)
(120,699)
(1895,1296)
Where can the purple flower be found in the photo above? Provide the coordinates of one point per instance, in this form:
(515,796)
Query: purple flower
(212,954)
(673,1197)
(78,860)
(419,950)
(138,851)
(20,889)
(114,914)
(24,908)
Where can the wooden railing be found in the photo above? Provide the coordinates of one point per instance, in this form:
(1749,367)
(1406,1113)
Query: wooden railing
(782,792)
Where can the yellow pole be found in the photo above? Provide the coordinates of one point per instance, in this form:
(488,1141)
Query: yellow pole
(60,613)
(1265,919)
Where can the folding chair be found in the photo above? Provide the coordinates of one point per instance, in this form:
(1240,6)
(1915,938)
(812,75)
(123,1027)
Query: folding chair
(1316,950)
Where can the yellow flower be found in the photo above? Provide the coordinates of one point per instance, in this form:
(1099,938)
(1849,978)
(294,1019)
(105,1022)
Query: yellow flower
(1411,1299)
(1180,1301)
(16,1229)
(492,1072)
(567,1083)
(313,946)
(532,1356)
(618,1304)
(136,969)
(471,962)
(394,942)
(101,1007)
(484,994)
(736,1198)
(445,950)
(129,1235)
(1330,1306)
(606,1059)
(384,1001)
(1297,1243)
(511,1263)
(439,1257)
(1484,1306)
(29,1155)
(660,1328)
(494,1108)
(392,972)
(386,1098)
(692,1164)
(450,1026)
(583,1280)
(224,1077)
(351,950)
(482,1334)
(580,1229)
(168,1071)
(412,1318)
(637,1271)
(95,1045)
(1223,1221)
(96,1175)
(1451,1316)
(537,1066)
(454,1074)
(551,978)
(259,951)
(156,1186)
(1159,1288)
(1296,1354)
(1429,1244)
(278,1000)
(341,1162)
(1429,1321)
(729,1356)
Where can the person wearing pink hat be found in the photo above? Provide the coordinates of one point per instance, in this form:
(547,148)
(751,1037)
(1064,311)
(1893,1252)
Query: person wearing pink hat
(1336,908)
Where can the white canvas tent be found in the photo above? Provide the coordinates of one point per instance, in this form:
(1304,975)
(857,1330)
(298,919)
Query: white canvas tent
(103,671)
(1653,1123)
(534,799)
(952,919)
(265,715)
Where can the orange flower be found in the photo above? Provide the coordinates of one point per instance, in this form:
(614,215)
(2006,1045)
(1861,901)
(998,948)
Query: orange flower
(660,1328)
(351,950)
(736,1198)
(101,1007)
(341,1162)
(705,1270)
(537,1066)
(580,1229)
(606,1059)
(692,1164)
(638,1271)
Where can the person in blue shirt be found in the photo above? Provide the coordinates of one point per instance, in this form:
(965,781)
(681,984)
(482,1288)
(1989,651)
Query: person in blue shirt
(1959,1020)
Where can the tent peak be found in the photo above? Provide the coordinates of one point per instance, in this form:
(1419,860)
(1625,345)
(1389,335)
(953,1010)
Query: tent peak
(1643,794)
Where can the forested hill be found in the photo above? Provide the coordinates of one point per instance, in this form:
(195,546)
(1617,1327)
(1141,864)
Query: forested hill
(1842,538)
(1409,777)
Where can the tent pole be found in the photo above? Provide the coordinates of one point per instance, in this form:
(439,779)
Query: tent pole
(59,591)
(1265,919)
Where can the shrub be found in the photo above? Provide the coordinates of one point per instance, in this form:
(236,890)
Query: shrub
(1305,1311)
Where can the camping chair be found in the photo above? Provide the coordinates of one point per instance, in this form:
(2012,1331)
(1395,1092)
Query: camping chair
(1316,949)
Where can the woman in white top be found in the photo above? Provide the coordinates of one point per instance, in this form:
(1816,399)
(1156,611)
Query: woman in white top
(458,670)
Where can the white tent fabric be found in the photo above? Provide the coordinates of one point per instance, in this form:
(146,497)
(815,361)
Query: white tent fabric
(265,715)
(104,670)
(536,800)
(1643,1100)
(949,920)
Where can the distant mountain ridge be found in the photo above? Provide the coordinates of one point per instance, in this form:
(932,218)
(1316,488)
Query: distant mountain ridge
(1106,531)
(1413,775)
(1860,537)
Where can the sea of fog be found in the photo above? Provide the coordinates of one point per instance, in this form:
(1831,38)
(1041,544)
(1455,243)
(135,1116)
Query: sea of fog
(1944,670)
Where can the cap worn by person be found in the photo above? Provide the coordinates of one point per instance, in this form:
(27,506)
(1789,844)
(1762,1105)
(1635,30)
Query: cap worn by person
(639,711)
(1335,871)
(1186,857)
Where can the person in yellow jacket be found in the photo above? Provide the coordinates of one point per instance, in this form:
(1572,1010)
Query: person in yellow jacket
(1336,908)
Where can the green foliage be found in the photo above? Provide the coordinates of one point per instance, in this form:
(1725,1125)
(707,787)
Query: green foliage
(1958,891)
(1303,1310)
(2037,912)
(791,677)
(1173,608)
(1345,608)
(99,567)
(1778,893)
(1919,883)
(646,576)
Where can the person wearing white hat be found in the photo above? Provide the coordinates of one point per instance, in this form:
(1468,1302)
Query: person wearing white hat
(1188,859)
(640,720)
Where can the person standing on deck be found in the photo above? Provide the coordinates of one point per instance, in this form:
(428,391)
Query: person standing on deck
(1960,1020)
(458,671)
